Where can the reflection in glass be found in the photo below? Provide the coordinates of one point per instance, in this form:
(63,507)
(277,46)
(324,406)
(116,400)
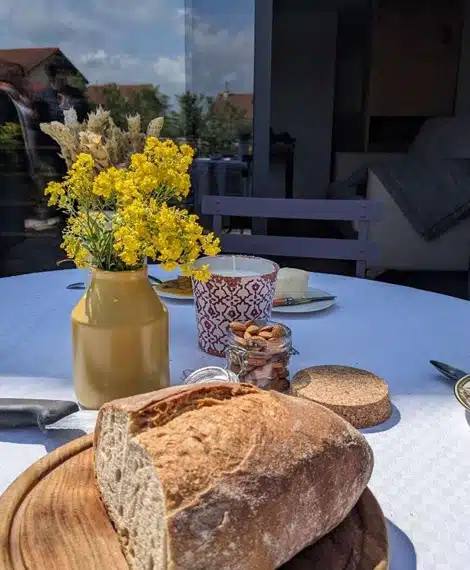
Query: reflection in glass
(59,55)
(191,62)
(217,109)
(219,75)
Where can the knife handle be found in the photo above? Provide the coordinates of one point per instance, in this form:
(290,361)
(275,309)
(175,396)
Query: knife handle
(22,412)
(283,302)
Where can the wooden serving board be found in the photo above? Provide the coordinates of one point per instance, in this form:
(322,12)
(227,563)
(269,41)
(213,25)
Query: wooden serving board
(51,518)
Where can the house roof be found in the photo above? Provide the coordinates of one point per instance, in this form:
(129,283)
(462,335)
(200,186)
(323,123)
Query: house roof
(242,101)
(96,92)
(30,58)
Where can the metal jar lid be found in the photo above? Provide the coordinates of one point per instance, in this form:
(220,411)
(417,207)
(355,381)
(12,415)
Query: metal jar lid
(210,375)
(462,391)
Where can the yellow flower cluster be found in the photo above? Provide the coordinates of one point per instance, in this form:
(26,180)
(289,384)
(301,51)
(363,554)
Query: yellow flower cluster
(162,165)
(120,217)
(76,186)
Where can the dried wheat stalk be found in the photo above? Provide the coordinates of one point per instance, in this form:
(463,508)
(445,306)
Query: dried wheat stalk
(100,137)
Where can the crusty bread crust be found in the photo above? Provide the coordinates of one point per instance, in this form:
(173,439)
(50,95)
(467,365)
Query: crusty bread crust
(250,478)
(135,404)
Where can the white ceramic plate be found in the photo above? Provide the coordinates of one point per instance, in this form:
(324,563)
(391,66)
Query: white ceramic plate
(312,307)
(167,295)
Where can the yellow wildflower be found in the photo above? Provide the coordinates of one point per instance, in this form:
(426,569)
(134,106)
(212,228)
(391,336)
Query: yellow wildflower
(140,225)
(54,190)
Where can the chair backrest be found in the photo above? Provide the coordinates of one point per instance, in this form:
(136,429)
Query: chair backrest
(363,212)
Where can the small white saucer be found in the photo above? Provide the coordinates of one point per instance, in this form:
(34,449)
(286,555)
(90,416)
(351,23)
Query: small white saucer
(168,295)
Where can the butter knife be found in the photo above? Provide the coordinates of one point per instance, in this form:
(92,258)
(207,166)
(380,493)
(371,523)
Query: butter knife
(290,301)
(25,412)
(44,414)
(448,371)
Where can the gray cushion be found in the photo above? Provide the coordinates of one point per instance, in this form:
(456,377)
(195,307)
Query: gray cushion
(443,138)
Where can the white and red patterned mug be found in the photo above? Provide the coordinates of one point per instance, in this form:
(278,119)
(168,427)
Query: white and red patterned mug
(240,288)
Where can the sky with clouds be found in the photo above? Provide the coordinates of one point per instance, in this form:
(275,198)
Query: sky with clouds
(142,42)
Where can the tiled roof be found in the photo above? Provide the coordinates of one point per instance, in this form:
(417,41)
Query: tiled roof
(96,92)
(243,101)
(28,58)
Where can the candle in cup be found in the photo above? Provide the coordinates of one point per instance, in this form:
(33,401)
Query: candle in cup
(240,288)
(234,270)
(236,273)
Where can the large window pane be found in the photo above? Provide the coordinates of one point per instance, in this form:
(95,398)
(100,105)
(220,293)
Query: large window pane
(128,58)
(219,67)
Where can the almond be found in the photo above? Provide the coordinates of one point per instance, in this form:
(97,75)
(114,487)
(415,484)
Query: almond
(252,329)
(247,335)
(259,342)
(237,327)
(265,334)
(266,328)
(278,331)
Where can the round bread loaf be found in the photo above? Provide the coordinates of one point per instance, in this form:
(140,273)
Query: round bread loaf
(358,396)
(225,476)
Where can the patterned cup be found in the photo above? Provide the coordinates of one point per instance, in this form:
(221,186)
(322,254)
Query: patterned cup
(240,288)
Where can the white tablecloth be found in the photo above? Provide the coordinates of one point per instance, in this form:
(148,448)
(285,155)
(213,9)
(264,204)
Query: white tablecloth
(422,455)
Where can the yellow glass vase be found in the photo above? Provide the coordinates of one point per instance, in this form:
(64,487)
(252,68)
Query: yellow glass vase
(119,338)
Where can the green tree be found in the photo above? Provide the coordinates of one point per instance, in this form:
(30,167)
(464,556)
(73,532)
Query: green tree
(149,102)
(115,103)
(172,128)
(192,116)
(210,126)
(224,125)
(11,136)
(146,100)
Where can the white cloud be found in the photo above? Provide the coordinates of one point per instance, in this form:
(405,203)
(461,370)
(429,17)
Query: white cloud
(180,21)
(230,77)
(171,69)
(102,58)
(45,17)
(219,56)
(108,40)
(99,56)
(142,11)
(116,41)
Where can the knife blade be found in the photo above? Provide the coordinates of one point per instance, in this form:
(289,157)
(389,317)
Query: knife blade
(26,412)
(79,285)
(290,301)
(448,371)
(46,415)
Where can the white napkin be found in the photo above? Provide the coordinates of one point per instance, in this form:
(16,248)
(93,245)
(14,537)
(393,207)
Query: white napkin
(84,420)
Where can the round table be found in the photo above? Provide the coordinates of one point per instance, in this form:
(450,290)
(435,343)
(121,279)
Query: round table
(422,454)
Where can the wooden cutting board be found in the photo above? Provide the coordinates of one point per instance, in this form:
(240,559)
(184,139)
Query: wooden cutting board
(51,518)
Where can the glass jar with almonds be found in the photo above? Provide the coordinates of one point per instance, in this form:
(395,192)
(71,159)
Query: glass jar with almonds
(259,353)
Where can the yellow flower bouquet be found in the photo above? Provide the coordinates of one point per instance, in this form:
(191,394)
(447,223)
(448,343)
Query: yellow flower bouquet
(123,195)
(118,193)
